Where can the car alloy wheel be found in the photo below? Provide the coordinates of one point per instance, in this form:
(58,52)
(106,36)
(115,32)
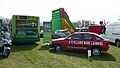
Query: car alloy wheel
(58,48)
(96,51)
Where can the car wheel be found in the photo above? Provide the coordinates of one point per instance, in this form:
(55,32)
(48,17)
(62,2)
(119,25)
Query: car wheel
(96,51)
(58,48)
(117,43)
(6,53)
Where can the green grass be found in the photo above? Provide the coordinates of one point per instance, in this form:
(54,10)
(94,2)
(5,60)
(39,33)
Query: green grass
(40,56)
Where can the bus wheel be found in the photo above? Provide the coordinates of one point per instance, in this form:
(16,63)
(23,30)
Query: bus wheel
(117,42)
(96,51)
(58,48)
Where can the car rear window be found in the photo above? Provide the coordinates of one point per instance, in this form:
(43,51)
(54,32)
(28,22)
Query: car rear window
(86,37)
(97,38)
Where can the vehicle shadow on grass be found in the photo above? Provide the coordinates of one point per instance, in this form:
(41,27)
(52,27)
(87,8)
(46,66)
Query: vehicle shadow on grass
(43,47)
(23,47)
(102,57)
(113,44)
(1,57)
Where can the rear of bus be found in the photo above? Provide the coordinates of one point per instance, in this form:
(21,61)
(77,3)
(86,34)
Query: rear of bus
(25,29)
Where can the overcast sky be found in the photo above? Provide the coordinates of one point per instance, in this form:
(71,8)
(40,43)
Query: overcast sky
(95,10)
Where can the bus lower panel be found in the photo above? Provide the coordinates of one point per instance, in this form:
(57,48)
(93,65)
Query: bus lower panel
(25,40)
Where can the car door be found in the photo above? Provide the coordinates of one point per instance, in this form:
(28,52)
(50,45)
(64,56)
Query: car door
(86,39)
(98,41)
(73,42)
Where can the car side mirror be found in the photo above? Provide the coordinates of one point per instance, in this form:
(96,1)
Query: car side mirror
(68,38)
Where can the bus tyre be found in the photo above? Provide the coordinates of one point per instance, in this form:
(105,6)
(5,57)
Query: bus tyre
(6,53)
(96,51)
(58,48)
(117,42)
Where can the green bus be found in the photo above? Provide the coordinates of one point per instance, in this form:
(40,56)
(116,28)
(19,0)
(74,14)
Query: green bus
(25,29)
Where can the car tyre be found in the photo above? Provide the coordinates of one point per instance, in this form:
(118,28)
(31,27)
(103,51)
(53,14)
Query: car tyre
(6,53)
(96,51)
(58,48)
(117,42)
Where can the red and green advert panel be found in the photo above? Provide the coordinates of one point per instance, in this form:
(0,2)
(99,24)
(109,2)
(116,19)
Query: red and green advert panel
(56,24)
(66,25)
(60,20)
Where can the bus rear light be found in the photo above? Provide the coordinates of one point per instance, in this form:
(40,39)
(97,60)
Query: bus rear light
(13,35)
(38,35)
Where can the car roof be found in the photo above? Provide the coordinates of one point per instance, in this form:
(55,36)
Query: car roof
(85,33)
(89,33)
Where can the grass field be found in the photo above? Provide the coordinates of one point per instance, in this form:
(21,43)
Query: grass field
(40,56)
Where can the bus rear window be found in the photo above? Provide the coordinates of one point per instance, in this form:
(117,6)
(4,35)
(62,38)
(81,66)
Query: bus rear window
(23,17)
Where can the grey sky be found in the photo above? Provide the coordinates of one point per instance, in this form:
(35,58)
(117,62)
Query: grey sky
(77,9)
